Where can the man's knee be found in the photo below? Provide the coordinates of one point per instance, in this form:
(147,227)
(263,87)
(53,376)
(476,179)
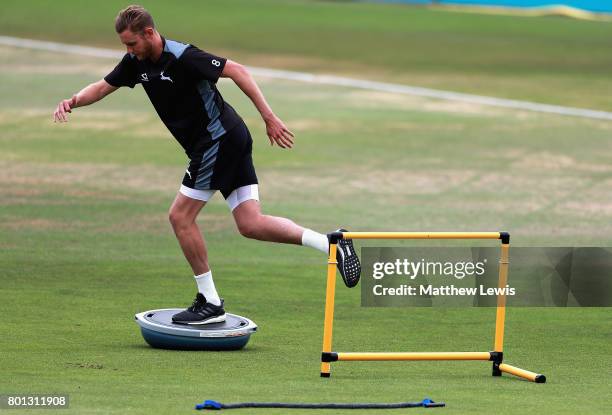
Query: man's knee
(178,219)
(249,228)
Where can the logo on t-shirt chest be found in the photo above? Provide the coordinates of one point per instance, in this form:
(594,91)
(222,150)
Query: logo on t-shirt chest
(164,77)
(144,77)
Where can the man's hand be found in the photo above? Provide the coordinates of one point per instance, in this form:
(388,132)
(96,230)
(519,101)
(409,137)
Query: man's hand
(278,133)
(65,106)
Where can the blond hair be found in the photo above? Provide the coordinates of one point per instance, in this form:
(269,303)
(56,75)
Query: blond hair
(135,18)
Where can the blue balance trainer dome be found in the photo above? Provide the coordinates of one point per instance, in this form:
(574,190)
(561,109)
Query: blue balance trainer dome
(159,331)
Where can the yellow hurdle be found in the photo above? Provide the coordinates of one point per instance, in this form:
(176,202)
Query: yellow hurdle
(495,356)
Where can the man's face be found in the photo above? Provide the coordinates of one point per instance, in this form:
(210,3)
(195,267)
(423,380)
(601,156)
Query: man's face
(138,44)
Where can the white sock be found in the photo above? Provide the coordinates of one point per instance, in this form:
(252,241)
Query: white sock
(207,287)
(315,240)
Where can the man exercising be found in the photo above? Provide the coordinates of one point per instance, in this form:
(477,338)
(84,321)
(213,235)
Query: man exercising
(180,80)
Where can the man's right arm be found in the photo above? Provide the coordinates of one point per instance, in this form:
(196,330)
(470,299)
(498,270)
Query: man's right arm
(88,95)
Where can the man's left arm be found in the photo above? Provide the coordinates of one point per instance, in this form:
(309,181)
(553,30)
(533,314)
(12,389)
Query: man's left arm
(277,131)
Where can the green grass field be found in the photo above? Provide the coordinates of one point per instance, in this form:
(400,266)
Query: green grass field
(85,242)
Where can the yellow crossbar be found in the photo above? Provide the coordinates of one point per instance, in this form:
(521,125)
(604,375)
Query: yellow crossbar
(421,235)
(415,356)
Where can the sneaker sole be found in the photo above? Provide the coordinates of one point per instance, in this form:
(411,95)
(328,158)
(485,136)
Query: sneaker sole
(350,261)
(218,319)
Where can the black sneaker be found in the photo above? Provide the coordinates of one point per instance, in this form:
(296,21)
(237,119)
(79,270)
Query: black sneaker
(200,312)
(348,262)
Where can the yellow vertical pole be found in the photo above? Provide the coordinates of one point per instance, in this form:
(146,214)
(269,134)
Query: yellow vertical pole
(329,307)
(501,299)
(500,319)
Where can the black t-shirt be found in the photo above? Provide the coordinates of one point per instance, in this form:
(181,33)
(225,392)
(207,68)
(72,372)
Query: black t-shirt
(182,87)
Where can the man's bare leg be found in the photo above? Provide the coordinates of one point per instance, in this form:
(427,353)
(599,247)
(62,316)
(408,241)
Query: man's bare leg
(253,224)
(207,307)
(183,213)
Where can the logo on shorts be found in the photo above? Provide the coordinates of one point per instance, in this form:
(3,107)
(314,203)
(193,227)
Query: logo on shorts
(144,77)
(188,173)
(165,78)
(216,62)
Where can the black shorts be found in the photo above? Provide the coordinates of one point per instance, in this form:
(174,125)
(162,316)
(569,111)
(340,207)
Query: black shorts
(224,164)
